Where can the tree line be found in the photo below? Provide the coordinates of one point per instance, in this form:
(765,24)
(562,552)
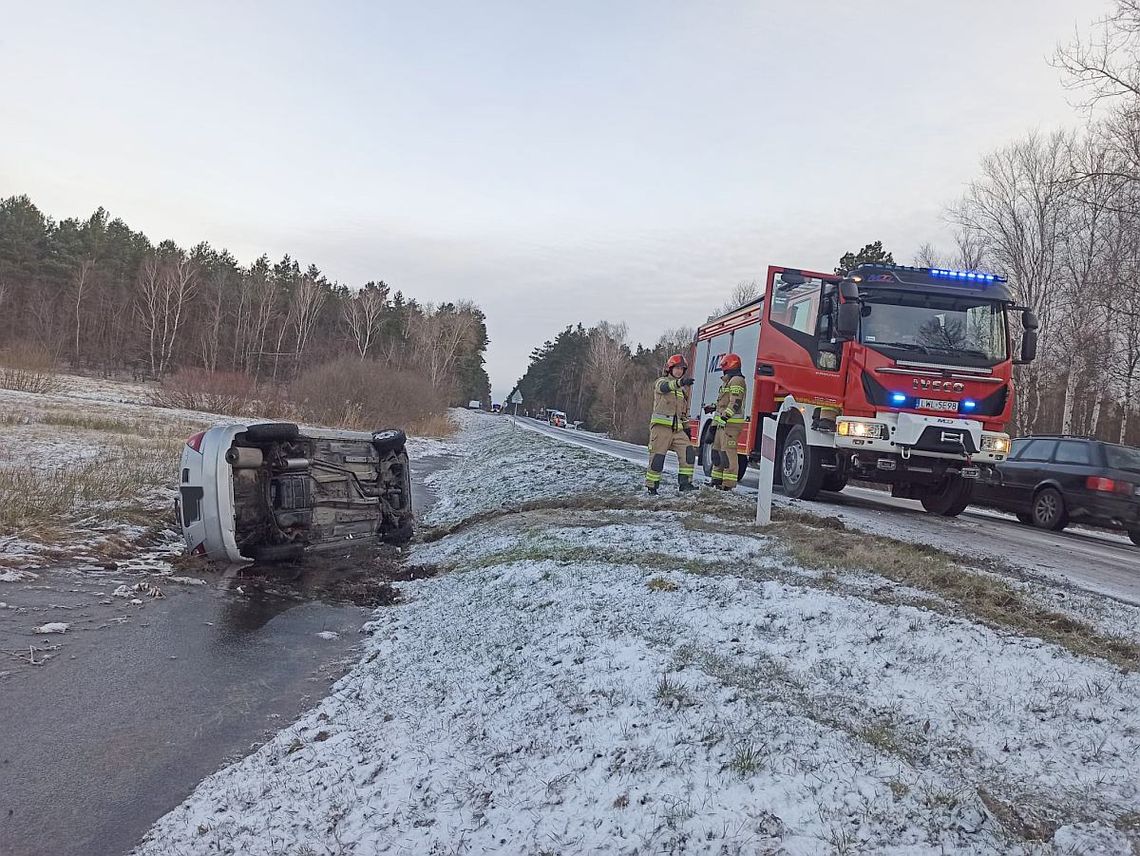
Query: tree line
(100,296)
(1059,215)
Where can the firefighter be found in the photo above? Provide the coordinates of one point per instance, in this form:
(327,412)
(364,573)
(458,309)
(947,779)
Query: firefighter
(727,423)
(668,427)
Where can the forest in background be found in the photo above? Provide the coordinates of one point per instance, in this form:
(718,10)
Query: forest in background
(96,296)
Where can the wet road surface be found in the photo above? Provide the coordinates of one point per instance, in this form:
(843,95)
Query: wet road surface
(140,701)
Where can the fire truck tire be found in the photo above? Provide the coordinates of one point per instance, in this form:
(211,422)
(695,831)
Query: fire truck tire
(800,466)
(834,482)
(950,498)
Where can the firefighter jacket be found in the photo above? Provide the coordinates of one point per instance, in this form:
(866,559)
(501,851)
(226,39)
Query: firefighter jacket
(730,400)
(670,404)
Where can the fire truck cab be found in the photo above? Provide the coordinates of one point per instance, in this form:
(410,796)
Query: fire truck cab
(887,373)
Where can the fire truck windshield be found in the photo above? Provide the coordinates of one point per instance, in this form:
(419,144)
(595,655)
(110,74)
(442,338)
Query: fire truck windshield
(956,329)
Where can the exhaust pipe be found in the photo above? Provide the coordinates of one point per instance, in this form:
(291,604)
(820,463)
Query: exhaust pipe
(244,457)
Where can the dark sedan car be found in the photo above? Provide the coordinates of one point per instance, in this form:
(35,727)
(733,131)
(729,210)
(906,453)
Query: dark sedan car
(1052,481)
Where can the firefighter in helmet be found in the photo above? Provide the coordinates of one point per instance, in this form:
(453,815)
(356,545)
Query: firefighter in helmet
(668,427)
(727,423)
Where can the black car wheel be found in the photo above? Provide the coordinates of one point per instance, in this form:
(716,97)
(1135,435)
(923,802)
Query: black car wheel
(1049,510)
(389,441)
(1134,534)
(272,432)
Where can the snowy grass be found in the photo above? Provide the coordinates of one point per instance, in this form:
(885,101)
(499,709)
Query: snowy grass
(602,673)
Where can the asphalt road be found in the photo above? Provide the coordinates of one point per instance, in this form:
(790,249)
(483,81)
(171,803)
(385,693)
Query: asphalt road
(1103,562)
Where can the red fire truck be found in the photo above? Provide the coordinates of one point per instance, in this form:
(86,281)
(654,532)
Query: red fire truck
(890,374)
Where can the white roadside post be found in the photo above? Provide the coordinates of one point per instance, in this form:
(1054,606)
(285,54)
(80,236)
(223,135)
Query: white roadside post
(766,473)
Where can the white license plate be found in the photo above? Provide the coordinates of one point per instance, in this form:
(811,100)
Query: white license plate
(935,404)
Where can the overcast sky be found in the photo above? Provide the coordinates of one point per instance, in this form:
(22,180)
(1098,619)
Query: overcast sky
(554,162)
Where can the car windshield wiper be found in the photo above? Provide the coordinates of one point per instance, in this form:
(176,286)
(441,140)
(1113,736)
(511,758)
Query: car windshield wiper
(946,349)
(906,346)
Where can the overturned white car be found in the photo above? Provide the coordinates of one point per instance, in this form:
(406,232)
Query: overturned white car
(267,492)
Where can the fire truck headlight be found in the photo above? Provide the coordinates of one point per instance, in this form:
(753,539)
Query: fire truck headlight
(862,430)
(997,443)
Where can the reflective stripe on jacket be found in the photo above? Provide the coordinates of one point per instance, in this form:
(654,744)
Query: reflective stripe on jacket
(730,399)
(670,404)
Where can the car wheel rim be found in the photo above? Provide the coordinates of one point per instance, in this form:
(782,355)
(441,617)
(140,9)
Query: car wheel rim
(793,463)
(1046,508)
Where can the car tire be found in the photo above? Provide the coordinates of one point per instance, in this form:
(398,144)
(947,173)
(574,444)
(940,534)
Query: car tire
(1134,534)
(389,441)
(950,498)
(271,553)
(272,432)
(400,535)
(800,468)
(1049,510)
(1024,519)
(742,467)
(834,482)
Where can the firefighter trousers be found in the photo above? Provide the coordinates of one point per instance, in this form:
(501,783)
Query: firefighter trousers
(662,440)
(726,466)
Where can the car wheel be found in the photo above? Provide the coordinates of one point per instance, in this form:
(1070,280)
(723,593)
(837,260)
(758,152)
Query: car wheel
(950,498)
(799,466)
(1026,519)
(742,467)
(277,553)
(400,534)
(272,432)
(1049,510)
(1134,534)
(389,441)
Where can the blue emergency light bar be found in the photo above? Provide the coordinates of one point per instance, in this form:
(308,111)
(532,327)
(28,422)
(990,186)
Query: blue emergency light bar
(968,275)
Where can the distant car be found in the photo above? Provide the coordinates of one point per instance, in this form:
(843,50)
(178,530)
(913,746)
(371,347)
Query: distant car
(557,418)
(474,405)
(1050,481)
(495,408)
(270,491)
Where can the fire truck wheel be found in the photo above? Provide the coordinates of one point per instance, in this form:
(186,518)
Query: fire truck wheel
(800,466)
(950,497)
(834,482)
(742,466)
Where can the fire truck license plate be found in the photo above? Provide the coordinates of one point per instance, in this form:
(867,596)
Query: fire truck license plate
(935,404)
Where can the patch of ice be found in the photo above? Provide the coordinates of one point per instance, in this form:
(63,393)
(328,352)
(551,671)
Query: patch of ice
(8,575)
(52,627)
(328,634)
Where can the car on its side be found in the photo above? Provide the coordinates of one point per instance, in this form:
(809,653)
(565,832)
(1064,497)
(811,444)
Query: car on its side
(271,491)
(1051,481)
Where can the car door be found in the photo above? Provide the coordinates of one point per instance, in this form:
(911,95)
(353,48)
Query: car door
(1072,463)
(1020,477)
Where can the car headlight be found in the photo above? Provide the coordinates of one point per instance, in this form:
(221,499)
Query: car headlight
(997,443)
(863,430)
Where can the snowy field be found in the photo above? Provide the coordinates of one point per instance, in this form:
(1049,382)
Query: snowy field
(596,672)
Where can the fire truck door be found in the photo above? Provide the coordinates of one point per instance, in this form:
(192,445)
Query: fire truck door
(796,345)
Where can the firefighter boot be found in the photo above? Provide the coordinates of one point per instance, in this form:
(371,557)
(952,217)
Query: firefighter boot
(651,489)
(685,483)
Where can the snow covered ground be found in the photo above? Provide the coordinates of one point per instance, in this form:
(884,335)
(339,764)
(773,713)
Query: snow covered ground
(596,672)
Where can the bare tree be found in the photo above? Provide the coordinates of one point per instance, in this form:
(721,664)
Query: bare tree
(439,334)
(1016,211)
(363,312)
(165,287)
(608,362)
(308,301)
(83,277)
(678,340)
(743,292)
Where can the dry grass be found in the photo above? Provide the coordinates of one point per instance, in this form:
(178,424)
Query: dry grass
(228,393)
(349,393)
(29,368)
(816,543)
(36,498)
(88,422)
(438,425)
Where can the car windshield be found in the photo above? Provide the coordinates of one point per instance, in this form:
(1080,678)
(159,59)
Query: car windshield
(970,328)
(1123,458)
